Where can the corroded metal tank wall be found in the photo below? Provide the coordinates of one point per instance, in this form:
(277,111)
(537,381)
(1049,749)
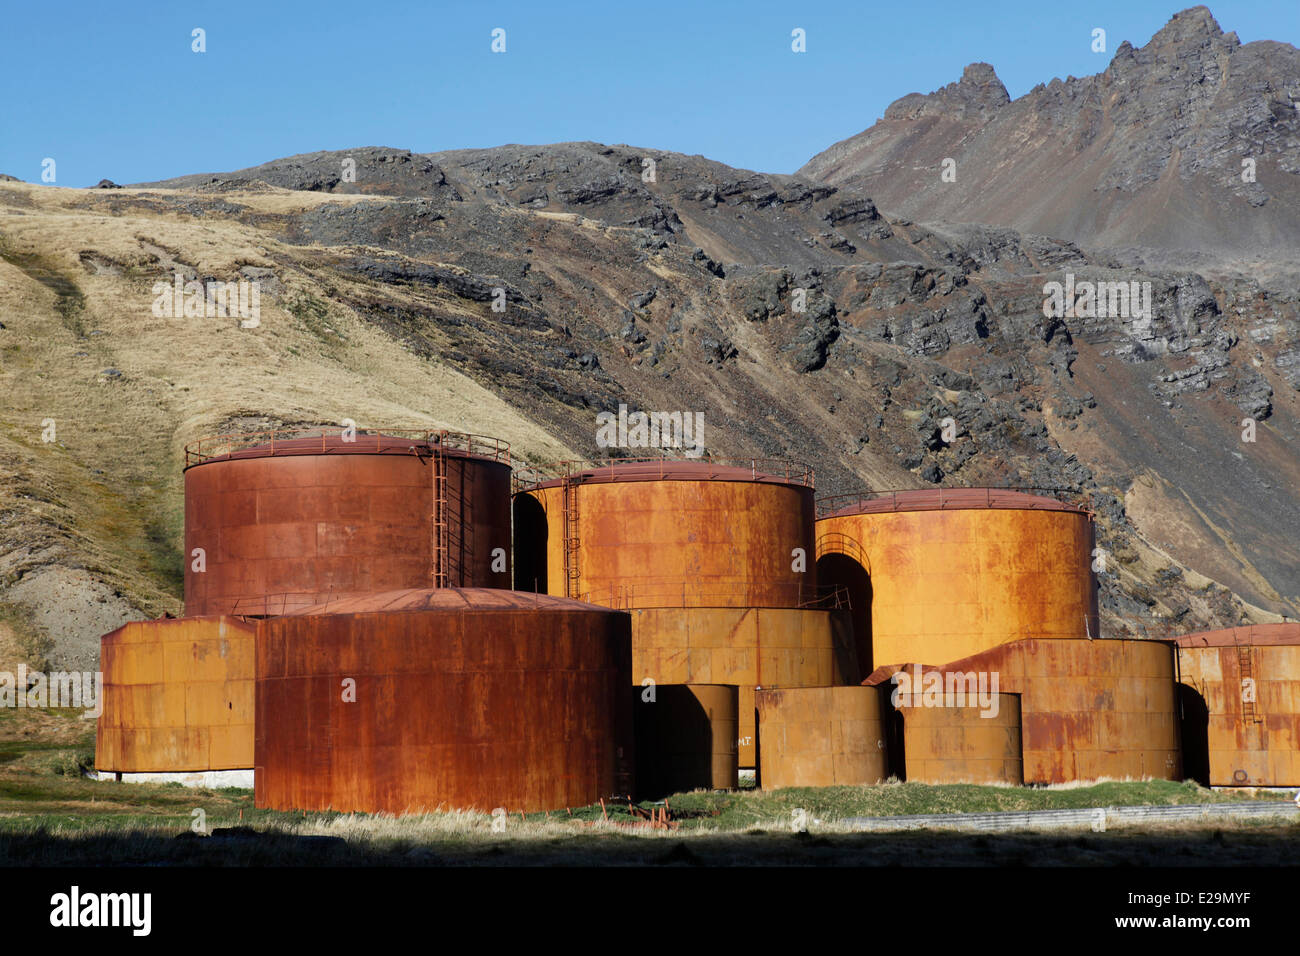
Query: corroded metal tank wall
(749,647)
(955,572)
(821,737)
(307,520)
(686,739)
(964,742)
(678,534)
(1240,696)
(1088,709)
(178,696)
(464,698)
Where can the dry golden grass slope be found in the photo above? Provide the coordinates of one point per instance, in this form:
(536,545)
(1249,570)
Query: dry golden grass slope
(90,524)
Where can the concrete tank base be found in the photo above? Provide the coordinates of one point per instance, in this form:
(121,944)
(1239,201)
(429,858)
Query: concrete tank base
(821,737)
(207,779)
(1088,709)
(748,647)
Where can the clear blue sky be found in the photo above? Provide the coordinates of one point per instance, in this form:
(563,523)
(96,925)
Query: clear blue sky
(113,89)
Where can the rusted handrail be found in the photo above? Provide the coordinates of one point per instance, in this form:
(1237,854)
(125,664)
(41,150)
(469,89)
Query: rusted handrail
(220,446)
(529,477)
(948,496)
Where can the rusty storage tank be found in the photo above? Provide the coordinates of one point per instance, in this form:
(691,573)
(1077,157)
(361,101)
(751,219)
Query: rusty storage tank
(941,574)
(178,701)
(1088,709)
(686,738)
(665,533)
(289,520)
(452,697)
(1239,691)
(961,734)
(821,737)
(713,559)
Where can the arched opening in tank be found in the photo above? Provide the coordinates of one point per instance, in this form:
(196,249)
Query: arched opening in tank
(841,572)
(530,544)
(1194,715)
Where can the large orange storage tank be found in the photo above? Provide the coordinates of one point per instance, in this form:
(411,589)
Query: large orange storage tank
(714,559)
(1239,689)
(178,697)
(941,574)
(1088,709)
(287,521)
(821,737)
(667,533)
(455,698)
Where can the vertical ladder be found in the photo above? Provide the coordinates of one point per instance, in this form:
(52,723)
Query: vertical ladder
(1246,668)
(438,526)
(571,567)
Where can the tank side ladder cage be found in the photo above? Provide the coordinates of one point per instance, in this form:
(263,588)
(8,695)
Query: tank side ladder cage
(530,477)
(963,497)
(220,446)
(572,567)
(438,550)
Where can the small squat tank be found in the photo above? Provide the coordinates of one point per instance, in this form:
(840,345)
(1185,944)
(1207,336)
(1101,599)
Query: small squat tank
(821,737)
(1239,690)
(178,697)
(279,520)
(686,738)
(464,698)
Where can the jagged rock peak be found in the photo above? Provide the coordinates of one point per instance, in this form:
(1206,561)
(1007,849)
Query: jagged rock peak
(979,91)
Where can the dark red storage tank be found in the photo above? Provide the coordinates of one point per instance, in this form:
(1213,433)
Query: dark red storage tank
(453,698)
(286,520)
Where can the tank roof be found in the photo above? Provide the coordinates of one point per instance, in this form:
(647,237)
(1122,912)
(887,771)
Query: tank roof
(446,599)
(331,441)
(1255,635)
(946,499)
(762,470)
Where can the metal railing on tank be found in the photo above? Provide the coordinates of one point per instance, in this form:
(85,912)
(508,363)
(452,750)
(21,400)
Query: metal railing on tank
(374,440)
(679,595)
(940,499)
(704,468)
